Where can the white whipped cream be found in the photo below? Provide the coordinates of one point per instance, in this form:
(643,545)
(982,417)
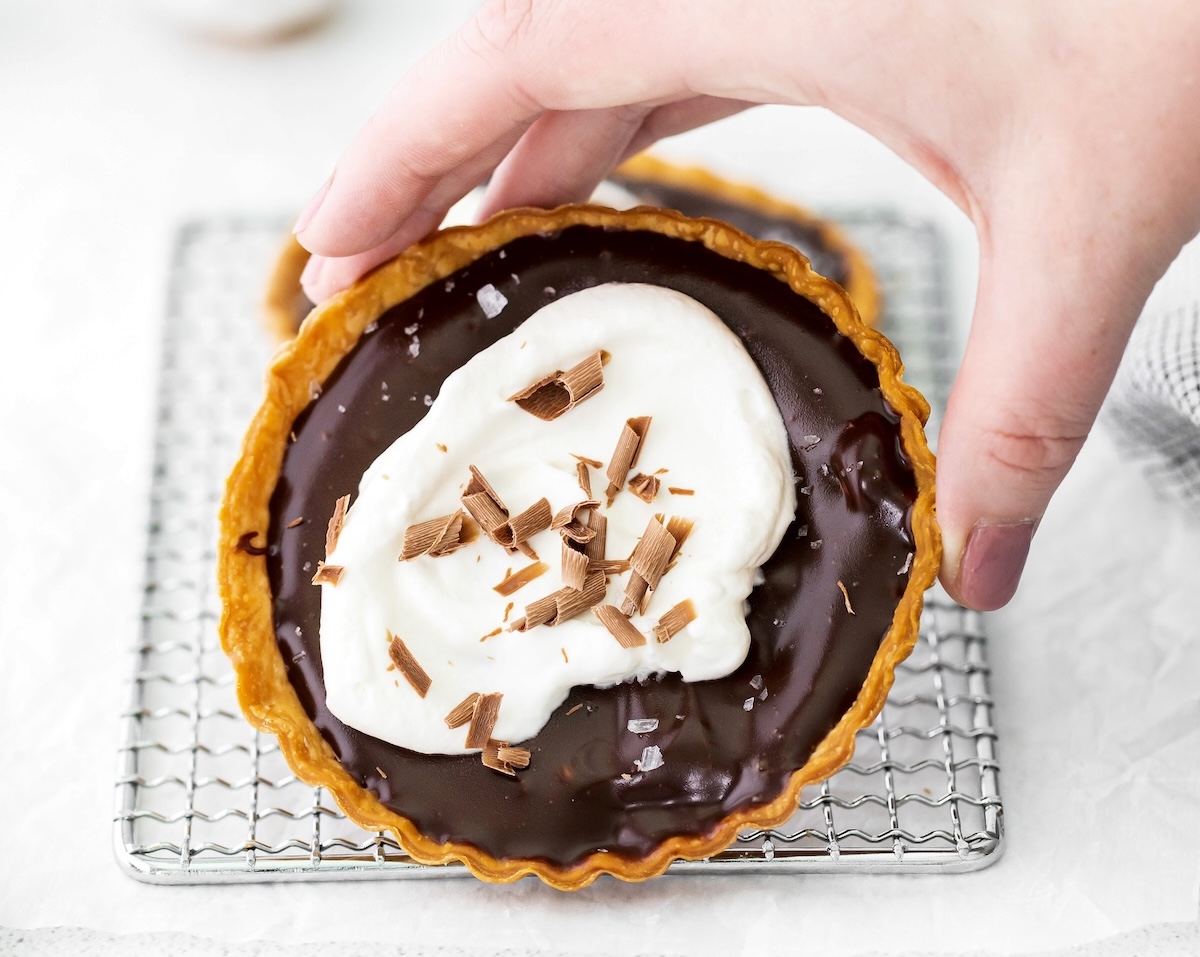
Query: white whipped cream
(716,429)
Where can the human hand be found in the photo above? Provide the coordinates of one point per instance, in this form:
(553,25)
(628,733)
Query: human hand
(1067,130)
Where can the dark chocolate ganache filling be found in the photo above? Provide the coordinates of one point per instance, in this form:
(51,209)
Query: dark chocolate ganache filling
(728,744)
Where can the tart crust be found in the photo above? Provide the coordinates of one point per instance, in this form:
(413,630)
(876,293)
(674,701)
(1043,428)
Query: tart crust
(283,293)
(247,628)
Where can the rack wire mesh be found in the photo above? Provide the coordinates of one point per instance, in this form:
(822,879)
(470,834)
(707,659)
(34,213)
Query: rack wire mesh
(202,797)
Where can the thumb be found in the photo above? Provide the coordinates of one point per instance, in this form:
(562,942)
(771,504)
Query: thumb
(1052,316)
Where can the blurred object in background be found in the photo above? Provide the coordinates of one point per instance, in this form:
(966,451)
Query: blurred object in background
(1153,410)
(245,21)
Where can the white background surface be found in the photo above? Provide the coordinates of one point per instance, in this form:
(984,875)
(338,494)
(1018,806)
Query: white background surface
(113,127)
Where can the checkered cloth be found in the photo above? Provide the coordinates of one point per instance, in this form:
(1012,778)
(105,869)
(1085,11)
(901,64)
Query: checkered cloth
(1153,410)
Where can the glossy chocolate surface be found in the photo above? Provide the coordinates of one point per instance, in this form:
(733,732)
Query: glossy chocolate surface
(582,790)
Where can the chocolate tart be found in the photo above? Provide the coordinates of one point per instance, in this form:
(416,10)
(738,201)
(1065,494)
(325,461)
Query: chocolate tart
(691,190)
(837,610)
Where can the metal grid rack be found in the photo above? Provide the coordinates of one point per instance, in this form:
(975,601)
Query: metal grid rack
(202,797)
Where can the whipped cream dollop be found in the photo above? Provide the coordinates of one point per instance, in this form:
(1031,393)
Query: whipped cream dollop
(715,433)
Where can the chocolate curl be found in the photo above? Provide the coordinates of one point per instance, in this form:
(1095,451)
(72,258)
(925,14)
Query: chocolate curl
(436,537)
(336,520)
(516,757)
(524,526)
(407,665)
(674,621)
(503,757)
(594,548)
(574,566)
(610,566)
(483,719)
(649,561)
(645,486)
(625,456)
(619,626)
(585,478)
(328,574)
(569,523)
(563,604)
(559,392)
(519,579)
(485,506)
(461,713)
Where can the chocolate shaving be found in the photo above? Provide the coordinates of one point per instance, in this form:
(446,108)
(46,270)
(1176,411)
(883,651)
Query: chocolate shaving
(676,490)
(619,626)
(514,581)
(559,392)
(610,566)
(653,557)
(846,596)
(328,574)
(335,524)
(407,665)
(296,521)
(507,611)
(645,486)
(481,500)
(594,463)
(245,543)
(594,549)
(483,719)
(573,709)
(528,523)
(461,713)
(436,537)
(625,456)
(585,478)
(491,759)
(563,604)
(492,634)
(569,523)
(574,566)
(680,528)
(516,757)
(674,621)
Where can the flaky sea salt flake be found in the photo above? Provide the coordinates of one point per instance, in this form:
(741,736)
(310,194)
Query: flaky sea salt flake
(756,682)
(491,300)
(907,566)
(810,442)
(409,330)
(650,760)
(642,725)
(748,704)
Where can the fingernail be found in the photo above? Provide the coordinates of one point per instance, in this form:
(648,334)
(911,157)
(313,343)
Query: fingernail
(992,563)
(311,209)
(312,272)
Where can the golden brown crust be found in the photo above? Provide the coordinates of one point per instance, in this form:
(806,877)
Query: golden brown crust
(247,630)
(283,295)
(860,282)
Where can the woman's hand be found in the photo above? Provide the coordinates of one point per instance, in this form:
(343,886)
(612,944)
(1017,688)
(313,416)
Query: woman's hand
(1068,130)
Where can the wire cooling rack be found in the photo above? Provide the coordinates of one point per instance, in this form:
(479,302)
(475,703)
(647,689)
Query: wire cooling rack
(202,797)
